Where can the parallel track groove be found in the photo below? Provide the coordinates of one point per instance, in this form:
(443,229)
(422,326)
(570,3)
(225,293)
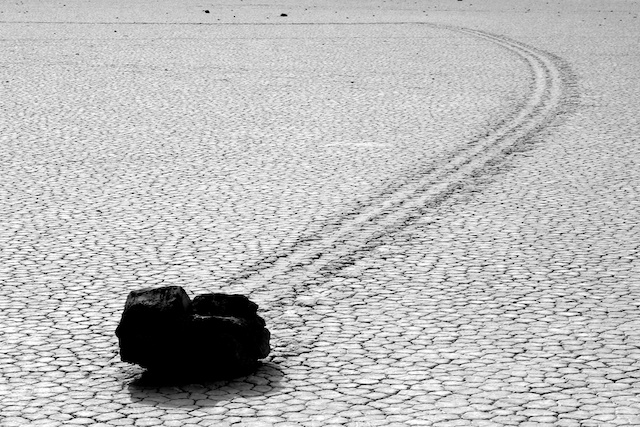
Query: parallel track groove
(313,259)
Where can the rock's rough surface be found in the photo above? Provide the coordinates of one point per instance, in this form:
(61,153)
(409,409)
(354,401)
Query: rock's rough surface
(224,305)
(164,331)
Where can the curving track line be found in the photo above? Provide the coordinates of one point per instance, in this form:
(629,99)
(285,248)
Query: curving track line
(318,257)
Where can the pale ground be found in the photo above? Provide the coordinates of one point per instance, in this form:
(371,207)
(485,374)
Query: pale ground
(440,224)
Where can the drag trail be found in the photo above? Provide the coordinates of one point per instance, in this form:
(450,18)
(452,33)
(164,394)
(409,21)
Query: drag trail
(296,275)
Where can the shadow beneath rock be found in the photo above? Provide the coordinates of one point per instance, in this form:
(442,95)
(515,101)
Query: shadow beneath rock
(197,391)
(160,378)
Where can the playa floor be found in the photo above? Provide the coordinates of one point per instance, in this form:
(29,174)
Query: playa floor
(435,205)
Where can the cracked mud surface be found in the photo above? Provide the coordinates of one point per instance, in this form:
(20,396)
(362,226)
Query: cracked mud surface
(436,210)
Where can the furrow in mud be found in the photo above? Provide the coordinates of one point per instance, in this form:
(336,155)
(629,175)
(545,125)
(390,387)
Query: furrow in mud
(312,260)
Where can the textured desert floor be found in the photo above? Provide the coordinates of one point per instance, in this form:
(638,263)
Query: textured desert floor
(435,204)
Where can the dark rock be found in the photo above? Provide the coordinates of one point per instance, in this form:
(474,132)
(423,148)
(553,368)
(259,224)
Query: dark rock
(229,340)
(153,326)
(216,334)
(206,11)
(227,328)
(283,14)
